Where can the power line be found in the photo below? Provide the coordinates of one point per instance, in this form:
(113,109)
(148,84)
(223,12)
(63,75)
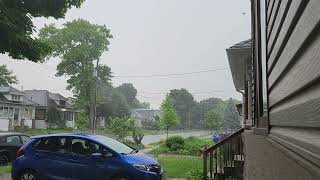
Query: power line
(196,92)
(142,76)
(171,74)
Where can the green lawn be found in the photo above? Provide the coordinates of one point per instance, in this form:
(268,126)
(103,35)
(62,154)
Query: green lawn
(178,167)
(5,169)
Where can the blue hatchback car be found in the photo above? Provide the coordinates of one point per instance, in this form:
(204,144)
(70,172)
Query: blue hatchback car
(82,157)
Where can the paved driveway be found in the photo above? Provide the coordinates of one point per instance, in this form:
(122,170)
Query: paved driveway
(5,177)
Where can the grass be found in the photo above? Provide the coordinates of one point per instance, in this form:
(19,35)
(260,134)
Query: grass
(178,167)
(5,169)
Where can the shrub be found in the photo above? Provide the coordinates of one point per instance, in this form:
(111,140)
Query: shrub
(121,127)
(190,146)
(134,145)
(175,143)
(81,121)
(195,175)
(137,135)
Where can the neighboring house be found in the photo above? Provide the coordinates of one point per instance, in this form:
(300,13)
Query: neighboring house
(15,109)
(278,74)
(141,115)
(47,99)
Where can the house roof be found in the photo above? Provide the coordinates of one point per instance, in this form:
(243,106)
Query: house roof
(239,56)
(38,96)
(242,44)
(146,114)
(42,97)
(10,90)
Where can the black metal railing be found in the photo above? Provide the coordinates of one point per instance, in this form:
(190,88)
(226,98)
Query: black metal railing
(225,159)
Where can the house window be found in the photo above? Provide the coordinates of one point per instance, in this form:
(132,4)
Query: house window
(40,114)
(6,112)
(27,113)
(62,102)
(15,97)
(68,116)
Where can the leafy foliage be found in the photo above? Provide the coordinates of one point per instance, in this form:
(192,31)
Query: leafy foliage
(55,119)
(81,121)
(137,135)
(231,116)
(16,27)
(196,174)
(6,76)
(169,116)
(214,119)
(121,127)
(79,43)
(174,143)
(112,104)
(130,93)
(183,103)
(191,146)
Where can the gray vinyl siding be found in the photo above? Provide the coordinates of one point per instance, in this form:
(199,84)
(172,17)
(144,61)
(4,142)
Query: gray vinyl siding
(296,70)
(293,66)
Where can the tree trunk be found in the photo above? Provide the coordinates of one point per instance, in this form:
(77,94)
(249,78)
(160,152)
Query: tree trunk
(167,133)
(91,116)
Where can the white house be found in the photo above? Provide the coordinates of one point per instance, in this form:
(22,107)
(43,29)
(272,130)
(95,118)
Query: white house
(141,115)
(15,109)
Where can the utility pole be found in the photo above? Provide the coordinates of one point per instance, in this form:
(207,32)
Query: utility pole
(95,75)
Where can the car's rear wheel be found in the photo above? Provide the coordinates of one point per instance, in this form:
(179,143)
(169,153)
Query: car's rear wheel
(28,175)
(4,159)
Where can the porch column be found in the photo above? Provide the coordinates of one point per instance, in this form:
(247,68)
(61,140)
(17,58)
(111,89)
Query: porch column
(246,106)
(249,120)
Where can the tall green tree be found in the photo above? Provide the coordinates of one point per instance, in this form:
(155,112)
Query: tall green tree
(129,92)
(80,44)
(231,116)
(112,104)
(6,76)
(169,116)
(16,26)
(183,104)
(214,119)
(54,119)
(204,106)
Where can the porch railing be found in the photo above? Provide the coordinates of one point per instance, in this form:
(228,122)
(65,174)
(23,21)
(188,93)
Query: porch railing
(225,159)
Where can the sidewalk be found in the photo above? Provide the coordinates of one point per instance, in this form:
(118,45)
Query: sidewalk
(5,177)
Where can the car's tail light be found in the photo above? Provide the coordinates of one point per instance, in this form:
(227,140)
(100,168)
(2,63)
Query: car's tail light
(20,152)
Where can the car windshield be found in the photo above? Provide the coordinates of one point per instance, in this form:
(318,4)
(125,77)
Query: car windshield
(115,145)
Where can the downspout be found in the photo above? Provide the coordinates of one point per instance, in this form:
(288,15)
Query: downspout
(243,103)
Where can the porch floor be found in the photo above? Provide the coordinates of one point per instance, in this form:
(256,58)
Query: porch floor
(263,161)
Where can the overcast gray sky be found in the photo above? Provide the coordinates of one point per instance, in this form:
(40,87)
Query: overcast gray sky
(156,37)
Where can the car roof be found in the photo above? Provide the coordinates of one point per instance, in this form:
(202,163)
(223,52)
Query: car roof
(83,135)
(9,134)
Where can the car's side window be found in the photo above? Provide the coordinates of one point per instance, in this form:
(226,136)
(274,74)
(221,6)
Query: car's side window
(52,144)
(86,147)
(14,140)
(25,139)
(2,140)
